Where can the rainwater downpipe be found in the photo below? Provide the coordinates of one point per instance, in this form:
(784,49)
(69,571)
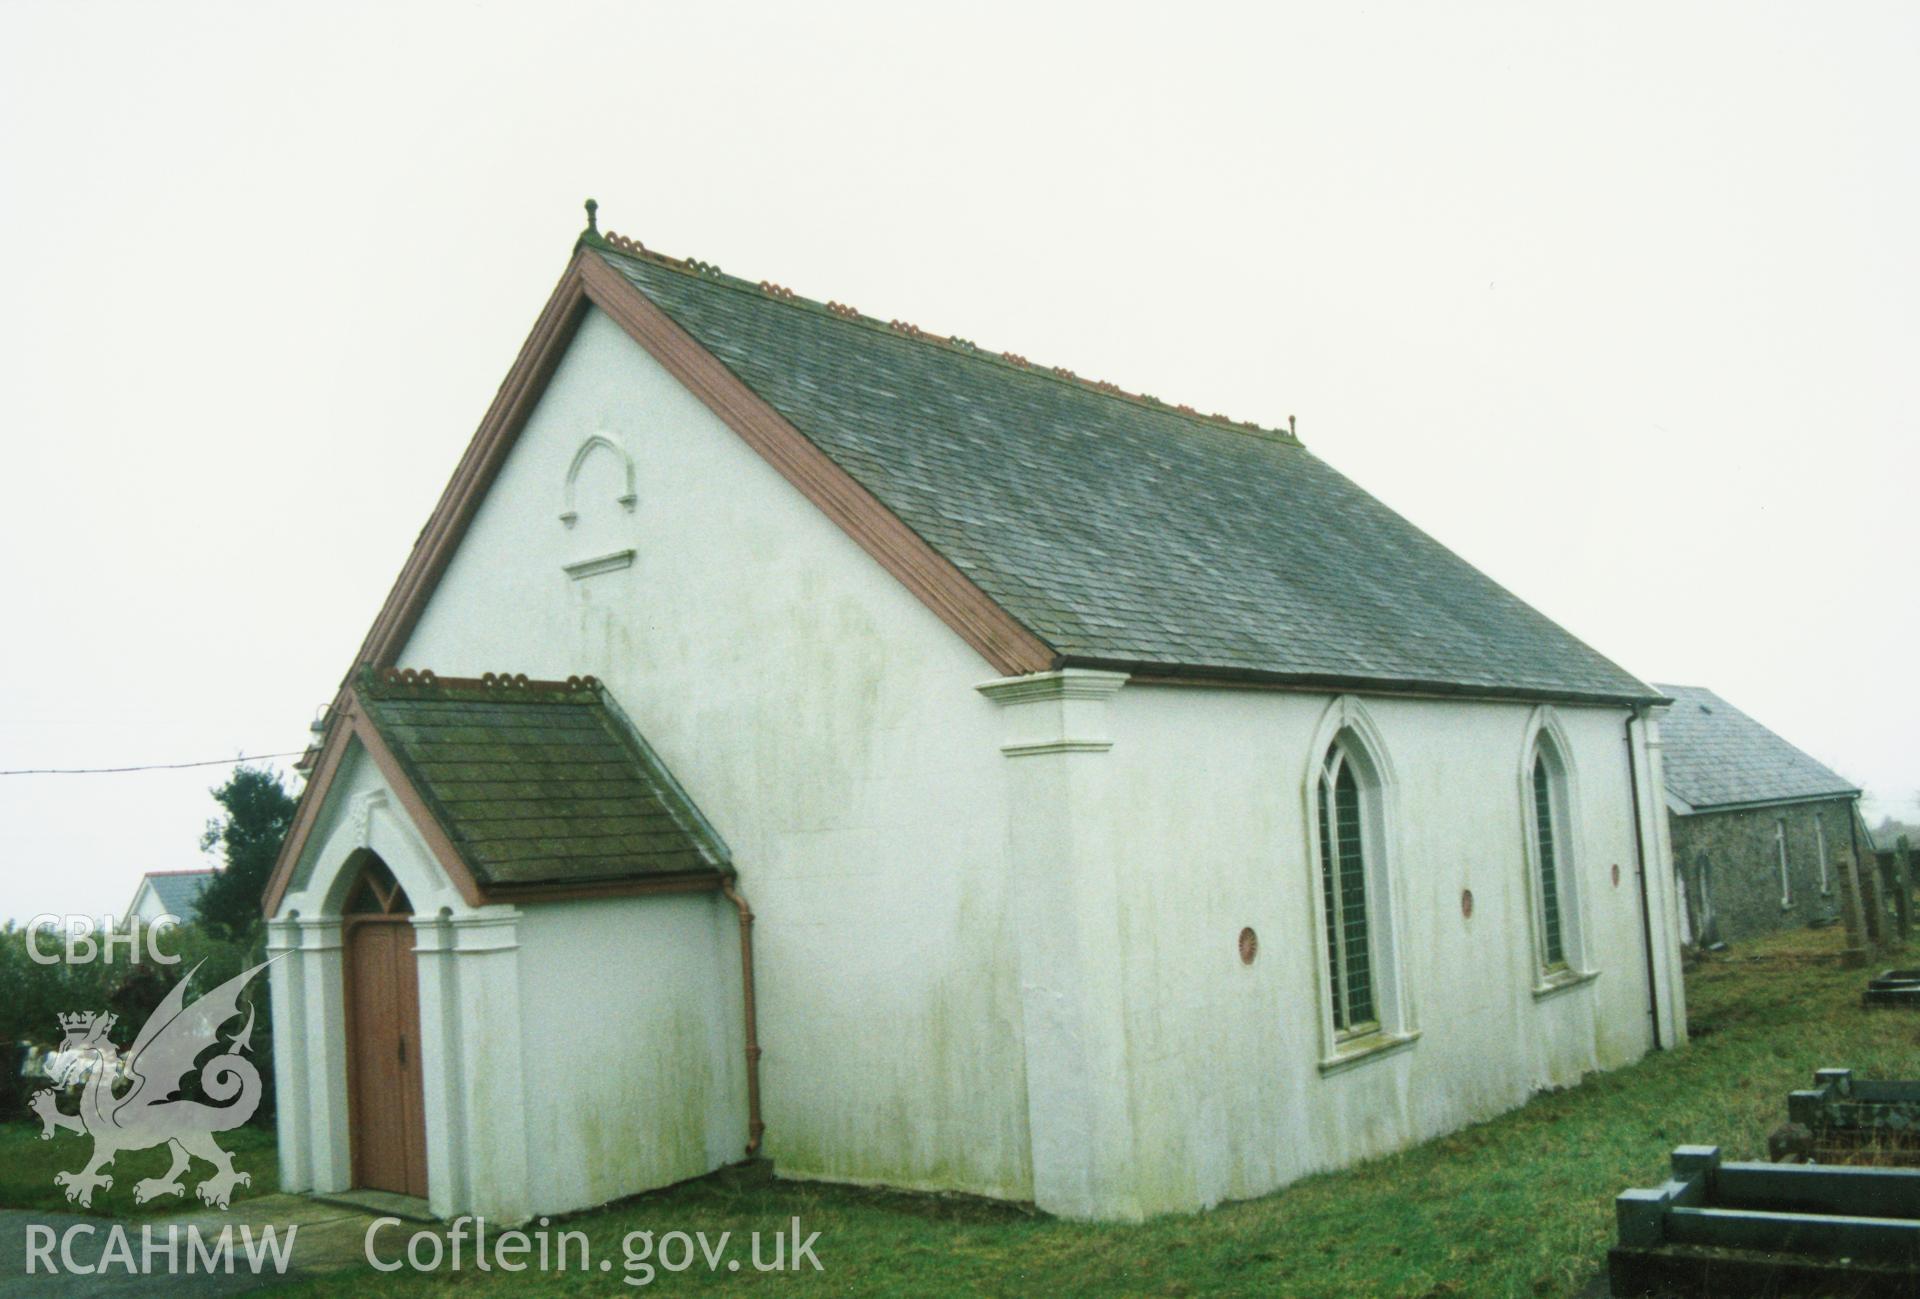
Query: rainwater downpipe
(755,1128)
(1634,714)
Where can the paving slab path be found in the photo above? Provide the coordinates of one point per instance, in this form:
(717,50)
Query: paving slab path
(329,1237)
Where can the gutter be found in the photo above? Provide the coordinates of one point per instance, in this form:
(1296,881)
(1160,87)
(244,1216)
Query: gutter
(1161,673)
(1709,809)
(1634,714)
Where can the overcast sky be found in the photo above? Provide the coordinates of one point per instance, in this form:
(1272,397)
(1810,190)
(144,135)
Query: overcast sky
(1618,302)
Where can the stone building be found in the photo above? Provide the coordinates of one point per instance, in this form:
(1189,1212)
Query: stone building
(1754,822)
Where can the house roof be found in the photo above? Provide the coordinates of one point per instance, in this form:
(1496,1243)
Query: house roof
(177,891)
(537,783)
(1886,836)
(1717,756)
(1121,531)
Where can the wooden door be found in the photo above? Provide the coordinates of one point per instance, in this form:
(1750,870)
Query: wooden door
(385,1111)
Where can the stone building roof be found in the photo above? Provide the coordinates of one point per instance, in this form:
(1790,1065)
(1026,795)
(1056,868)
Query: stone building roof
(1122,531)
(538,783)
(1717,756)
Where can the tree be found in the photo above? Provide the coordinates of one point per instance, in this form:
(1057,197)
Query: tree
(259,811)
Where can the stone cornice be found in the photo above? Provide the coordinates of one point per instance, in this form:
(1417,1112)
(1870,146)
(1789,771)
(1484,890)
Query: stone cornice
(1063,711)
(1066,683)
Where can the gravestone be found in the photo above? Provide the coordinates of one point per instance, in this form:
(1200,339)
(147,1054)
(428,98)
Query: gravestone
(1848,882)
(1903,887)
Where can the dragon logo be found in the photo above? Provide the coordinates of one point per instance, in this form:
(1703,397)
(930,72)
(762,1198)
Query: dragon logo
(148,1110)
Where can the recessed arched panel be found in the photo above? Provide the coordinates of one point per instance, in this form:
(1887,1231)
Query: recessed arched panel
(600,476)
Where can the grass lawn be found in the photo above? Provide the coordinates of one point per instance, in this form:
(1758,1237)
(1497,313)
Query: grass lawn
(27,1166)
(1521,1205)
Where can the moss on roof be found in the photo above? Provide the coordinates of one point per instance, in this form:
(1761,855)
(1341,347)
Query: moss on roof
(541,783)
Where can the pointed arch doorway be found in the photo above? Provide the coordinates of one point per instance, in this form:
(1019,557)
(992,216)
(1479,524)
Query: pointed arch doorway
(385,1107)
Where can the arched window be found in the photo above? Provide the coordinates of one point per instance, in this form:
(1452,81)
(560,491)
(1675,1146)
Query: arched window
(1349,801)
(1552,860)
(1349,911)
(1552,928)
(1786,876)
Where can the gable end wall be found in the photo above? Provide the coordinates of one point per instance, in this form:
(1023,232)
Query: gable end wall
(823,720)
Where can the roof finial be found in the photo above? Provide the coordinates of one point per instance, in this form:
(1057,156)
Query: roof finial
(1290,432)
(593,216)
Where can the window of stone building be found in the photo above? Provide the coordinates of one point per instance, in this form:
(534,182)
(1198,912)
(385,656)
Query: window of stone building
(1820,852)
(1780,842)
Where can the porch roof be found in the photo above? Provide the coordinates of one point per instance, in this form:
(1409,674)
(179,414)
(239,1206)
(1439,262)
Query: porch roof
(538,783)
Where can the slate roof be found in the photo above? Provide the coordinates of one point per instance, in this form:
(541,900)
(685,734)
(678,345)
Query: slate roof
(538,783)
(177,891)
(1121,531)
(1716,756)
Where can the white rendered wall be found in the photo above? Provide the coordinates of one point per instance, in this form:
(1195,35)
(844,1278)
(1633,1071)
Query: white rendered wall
(823,720)
(1227,1089)
(630,1023)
